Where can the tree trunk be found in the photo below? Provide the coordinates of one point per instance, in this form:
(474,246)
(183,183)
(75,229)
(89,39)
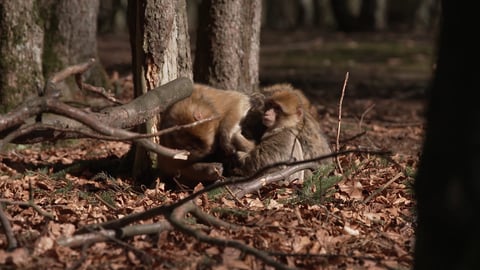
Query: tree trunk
(426,16)
(282,14)
(228,40)
(371,15)
(447,185)
(323,17)
(160,53)
(344,16)
(112,16)
(39,38)
(71,38)
(21,46)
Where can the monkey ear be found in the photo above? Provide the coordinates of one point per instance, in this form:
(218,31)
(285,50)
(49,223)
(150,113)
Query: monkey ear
(300,112)
(197,115)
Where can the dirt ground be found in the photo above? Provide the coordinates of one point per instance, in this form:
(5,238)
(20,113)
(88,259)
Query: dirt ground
(364,220)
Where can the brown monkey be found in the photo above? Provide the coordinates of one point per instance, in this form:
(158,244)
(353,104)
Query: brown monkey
(292,132)
(307,106)
(312,138)
(219,137)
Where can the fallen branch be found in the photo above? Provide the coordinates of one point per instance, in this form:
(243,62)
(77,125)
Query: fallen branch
(29,204)
(175,214)
(125,116)
(378,191)
(177,220)
(106,235)
(165,209)
(240,190)
(7,228)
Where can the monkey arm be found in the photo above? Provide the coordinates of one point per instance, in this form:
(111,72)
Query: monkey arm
(241,143)
(281,146)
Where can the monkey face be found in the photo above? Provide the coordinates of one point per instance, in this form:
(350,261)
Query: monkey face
(269,118)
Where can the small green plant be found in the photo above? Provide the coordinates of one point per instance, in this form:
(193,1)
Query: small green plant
(230,211)
(316,188)
(410,174)
(87,196)
(108,197)
(216,193)
(59,175)
(103,176)
(67,188)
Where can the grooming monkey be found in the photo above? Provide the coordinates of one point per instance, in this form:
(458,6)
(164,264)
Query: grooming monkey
(292,132)
(312,138)
(220,137)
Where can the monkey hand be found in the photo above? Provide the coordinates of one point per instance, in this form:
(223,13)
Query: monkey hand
(228,149)
(241,155)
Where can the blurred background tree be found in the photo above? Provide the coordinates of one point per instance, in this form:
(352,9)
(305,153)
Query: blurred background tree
(39,38)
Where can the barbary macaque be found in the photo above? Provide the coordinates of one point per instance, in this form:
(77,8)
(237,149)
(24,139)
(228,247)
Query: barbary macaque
(292,132)
(219,137)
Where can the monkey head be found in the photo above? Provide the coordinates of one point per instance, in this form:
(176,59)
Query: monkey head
(282,109)
(198,140)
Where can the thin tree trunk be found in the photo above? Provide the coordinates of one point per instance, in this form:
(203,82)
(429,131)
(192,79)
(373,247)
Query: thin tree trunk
(71,38)
(228,40)
(21,46)
(39,38)
(447,185)
(160,53)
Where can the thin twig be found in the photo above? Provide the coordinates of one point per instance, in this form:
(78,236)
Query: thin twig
(29,204)
(7,228)
(176,218)
(26,129)
(337,145)
(358,135)
(376,192)
(368,109)
(241,190)
(105,235)
(75,69)
(101,91)
(107,204)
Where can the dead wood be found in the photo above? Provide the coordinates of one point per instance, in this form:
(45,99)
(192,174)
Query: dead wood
(242,189)
(46,118)
(175,218)
(7,228)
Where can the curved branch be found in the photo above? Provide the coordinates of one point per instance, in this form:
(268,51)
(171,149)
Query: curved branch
(56,106)
(176,219)
(240,190)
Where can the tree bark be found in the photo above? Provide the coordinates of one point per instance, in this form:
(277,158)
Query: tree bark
(21,46)
(344,17)
(447,186)
(282,14)
(40,38)
(160,53)
(370,17)
(70,38)
(228,40)
(112,17)
(61,121)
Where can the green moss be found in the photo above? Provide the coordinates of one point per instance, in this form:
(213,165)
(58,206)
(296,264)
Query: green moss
(22,71)
(50,59)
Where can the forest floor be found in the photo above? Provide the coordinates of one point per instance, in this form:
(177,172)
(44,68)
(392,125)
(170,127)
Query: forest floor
(362,217)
